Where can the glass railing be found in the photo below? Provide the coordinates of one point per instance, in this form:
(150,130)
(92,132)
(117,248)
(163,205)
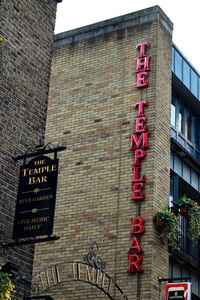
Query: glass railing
(182,68)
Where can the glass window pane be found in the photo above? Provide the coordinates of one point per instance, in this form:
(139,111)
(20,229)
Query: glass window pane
(199,89)
(178,65)
(177,165)
(199,184)
(194,283)
(172,161)
(189,127)
(173,113)
(186,172)
(185,272)
(176,270)
(195,179)
(194,83)
(186,74)
(171,196)
(196,126)
(173,59)
(181,120)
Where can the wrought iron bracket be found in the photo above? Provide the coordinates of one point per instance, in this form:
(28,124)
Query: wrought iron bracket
(93,259)
(35,241)
(170,279)
(40,150)
(47,297)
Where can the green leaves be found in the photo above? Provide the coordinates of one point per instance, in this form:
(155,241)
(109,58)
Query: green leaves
(171,225)
(193,215)
(6,286)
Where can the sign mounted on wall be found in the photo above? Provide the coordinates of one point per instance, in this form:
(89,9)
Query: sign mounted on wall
(179,291)
(138,145)
(36,198)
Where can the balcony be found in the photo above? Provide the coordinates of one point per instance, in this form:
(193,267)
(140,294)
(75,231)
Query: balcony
(188,250)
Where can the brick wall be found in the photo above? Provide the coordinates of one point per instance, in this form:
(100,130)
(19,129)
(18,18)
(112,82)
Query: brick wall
(91,110)
(26,27)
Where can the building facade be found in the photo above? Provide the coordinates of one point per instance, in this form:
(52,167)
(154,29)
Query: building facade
(26,31)
(112,88)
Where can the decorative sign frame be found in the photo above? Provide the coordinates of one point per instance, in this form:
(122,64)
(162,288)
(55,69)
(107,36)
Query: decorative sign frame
(36,198)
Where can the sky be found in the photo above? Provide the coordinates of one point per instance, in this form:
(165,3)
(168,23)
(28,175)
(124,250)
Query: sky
(184,14)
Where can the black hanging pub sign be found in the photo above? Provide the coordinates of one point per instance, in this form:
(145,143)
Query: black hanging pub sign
(36,198)
(34,215)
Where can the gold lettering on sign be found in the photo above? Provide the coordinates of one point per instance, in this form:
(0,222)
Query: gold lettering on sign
(41,280)
(79,271)
(35,180)
(57,274)
(40,170)
(111,281)
(35,199)
(39,162)
(90,276)
(99,276)
(47,277)
(37,171)
(74,270)
(95,276)
(32,227)
(103,281)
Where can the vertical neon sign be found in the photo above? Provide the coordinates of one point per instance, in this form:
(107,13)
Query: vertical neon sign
(138,145)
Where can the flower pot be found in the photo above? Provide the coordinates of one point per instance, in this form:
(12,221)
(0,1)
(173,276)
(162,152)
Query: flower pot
(159,224)
(183,211)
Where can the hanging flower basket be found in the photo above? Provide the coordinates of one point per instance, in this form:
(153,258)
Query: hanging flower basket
(183,211)
(168,225)
(159,224)
(193,213)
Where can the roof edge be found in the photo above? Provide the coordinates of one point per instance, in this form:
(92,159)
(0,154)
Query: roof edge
(154,13)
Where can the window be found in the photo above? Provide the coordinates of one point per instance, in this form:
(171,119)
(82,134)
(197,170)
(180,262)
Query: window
(189,126)
(173,112)
(178,65)
(183,170)
(181,120)
(185,122)
(186,74)
(181,270)
(194,83)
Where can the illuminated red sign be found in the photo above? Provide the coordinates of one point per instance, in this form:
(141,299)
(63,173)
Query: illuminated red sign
(135,249)
(178,291)
(142,66)
(138,145)
(139,142)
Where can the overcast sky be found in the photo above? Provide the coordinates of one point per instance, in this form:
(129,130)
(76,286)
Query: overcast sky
(184,14)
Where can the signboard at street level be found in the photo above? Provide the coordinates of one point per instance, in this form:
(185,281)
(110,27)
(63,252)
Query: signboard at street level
(178,291)
(36,198)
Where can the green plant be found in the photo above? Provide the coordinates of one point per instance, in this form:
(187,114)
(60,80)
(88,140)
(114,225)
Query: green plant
(170,225)
(6,286)
(194,217)
(186,202)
